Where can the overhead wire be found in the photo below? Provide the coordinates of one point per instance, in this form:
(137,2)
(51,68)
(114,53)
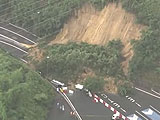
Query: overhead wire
(8,8)
(35,26)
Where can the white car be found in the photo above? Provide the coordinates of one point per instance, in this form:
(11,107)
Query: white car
(55,82)
(115,117)
(79,86)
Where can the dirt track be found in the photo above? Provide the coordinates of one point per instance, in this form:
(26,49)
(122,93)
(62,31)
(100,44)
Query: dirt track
(98,27)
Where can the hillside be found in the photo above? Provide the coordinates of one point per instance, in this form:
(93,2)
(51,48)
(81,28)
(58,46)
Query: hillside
(99,27)
(24,95)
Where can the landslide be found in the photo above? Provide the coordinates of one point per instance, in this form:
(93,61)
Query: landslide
(98,27)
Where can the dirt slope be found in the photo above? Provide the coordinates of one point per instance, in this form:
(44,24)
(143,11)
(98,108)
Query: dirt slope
(98,27)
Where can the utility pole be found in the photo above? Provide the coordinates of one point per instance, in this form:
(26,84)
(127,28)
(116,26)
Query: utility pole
(47,64)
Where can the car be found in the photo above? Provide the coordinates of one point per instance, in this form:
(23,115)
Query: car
(115,117)
(55,82)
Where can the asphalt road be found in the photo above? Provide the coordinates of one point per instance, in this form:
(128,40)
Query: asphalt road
(20,31)
(96,111)
(129,106)
(14,36)
(88,109)
(13,51)
(57,114)
(12,40)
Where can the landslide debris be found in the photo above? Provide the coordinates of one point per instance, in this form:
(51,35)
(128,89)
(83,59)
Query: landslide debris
(99,27)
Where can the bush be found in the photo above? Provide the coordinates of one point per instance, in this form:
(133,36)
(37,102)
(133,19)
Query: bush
(125,88)
(94,84)
(68,61)
(24,95)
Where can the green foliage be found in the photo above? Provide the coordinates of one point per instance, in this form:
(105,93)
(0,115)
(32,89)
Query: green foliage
(94,84)
(66,62)
(99,4)
(39,16)
(147,11)
(146,54)
(42,17)
(125,88)
(144,64)
(23,93)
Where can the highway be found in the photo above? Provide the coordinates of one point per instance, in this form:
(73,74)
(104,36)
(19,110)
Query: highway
(128,106)
(138,106)
(16,41)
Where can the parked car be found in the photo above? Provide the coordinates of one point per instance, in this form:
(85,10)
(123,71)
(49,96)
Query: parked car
(115,117)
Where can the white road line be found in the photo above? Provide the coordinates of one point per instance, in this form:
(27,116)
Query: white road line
(147,93)
(111,100)
(142,115)
(18,35)
(23,60)
(155,109)
(23,29)
(70,103)
(123,110)
(9,39)
(13,46)
(155,92)
(133,101)
(138,104)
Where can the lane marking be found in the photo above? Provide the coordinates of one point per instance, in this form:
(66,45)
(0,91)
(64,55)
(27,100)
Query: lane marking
(18,35)
(142,115)
(23,60)
(23,29)
(109,107)
(111,101)
(133,101)
(94,116)
(147,93)
(123,110)
(155,92)
(10,39)
(13,46)
(155,109)
(138,104)
(14,41)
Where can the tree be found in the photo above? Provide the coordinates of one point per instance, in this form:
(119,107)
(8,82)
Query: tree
(24,95)
(125,88)
(94,84)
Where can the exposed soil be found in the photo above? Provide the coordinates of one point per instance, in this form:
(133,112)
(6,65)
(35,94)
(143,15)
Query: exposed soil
(36,54)
(99,27)
(110,87)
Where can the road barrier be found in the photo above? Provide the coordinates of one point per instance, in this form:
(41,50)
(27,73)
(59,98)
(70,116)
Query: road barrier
(97,98)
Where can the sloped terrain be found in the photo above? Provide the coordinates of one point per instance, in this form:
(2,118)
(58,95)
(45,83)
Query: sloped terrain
(99,27)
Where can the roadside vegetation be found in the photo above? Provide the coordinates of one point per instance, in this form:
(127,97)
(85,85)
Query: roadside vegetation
(94,84)
(125,88)
(42,17)
(144,66)
(24,95)
(67,62)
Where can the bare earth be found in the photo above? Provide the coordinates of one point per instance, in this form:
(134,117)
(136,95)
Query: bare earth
(99,27)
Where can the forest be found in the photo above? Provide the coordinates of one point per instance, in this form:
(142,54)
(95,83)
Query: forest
(145,66)
(67,62)
(42,17)
(24,94)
